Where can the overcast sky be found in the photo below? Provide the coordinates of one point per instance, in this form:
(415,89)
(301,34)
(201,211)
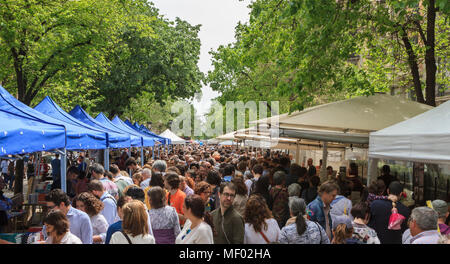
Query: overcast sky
(218,19)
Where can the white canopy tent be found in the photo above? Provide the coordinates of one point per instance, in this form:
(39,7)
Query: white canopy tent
(348,121)
(424,138)
(176,140)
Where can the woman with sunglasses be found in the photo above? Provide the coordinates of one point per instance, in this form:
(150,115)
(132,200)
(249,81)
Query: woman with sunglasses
(195,230)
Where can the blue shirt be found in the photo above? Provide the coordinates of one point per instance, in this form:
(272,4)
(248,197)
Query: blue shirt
(110,209)
(227,178)
(145,183)
(117,226)
(80,225)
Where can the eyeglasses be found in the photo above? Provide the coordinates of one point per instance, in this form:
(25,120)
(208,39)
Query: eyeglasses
(228,195)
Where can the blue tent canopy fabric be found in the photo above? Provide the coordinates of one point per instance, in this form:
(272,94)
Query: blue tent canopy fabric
(163,140)
(77,138)
(118,122)
(116,139)
(20,135)
(49,107)
(144,140)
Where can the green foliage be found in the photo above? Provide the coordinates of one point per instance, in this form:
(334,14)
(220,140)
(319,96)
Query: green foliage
(306,52)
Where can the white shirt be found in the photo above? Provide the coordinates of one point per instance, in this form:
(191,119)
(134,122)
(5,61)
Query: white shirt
(119,238)
(99,226)
(201,234)
(126,179)
(68,238)
(272,233)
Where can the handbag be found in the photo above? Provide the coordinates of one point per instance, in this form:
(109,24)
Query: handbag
(396,219)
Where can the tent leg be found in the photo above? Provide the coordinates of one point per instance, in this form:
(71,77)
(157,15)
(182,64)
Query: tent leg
(153,152)
(64,170)
(297,154)
(142,156)
(106,159)
(323,169)
(372,170)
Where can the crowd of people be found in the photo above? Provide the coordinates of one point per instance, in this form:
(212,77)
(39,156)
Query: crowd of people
(207,195)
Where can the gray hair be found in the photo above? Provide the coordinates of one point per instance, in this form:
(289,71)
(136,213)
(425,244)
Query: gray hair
(98,168)
(279,177)
(147,172)
(297,205)
(160,165)
(294,189)
(425,217)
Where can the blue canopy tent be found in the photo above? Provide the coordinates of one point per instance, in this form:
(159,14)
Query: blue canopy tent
(16,130)
(144,141)
(116,139)
(77,137)
(138,128)
(118,122)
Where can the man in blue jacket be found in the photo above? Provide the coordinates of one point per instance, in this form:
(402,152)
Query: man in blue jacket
(320,207)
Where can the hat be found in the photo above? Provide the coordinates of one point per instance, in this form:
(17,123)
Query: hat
(441,207)
(342,219)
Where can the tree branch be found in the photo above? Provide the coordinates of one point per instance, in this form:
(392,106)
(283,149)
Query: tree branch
(422,35)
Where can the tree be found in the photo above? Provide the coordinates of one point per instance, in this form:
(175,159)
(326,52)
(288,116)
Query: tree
(307,52)
(163,65)
(56,43)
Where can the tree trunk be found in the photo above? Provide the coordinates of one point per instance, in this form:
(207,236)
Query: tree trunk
(412,60)
(430,60)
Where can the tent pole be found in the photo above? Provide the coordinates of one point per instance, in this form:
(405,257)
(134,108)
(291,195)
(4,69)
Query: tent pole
(372,169)
(106,159)
(323,169)
(142,156)
(297,156)
(63,170)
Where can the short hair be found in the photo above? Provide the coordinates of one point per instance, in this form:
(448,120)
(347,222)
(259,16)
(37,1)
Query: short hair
(213,178)
(284,161)
(135,218)
(174,169)
(58,220)
(386,169)
(92,204)
(195,164)
(425,217)
(195,204)
(157,180)
(242,166)
(57,196)
(157,197)
(147,171)
(136,193)
(258,169)
(173,180)
(138,176)
(228,170)
(130,161)
(74,170)
(160,165)
(294,189)
(241,188)
(97,168)
(230,186)
(279,177)
(328,187)
(114,169)
(315,181)
(395,188)
(122,201)
(360,210)
(201,187)
(95,185)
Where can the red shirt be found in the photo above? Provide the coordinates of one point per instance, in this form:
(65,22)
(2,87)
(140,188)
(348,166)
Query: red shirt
(176,200)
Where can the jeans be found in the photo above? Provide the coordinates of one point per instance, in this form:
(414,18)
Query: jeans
(11,181)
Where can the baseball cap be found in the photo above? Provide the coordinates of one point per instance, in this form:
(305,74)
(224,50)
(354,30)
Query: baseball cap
(342,219)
